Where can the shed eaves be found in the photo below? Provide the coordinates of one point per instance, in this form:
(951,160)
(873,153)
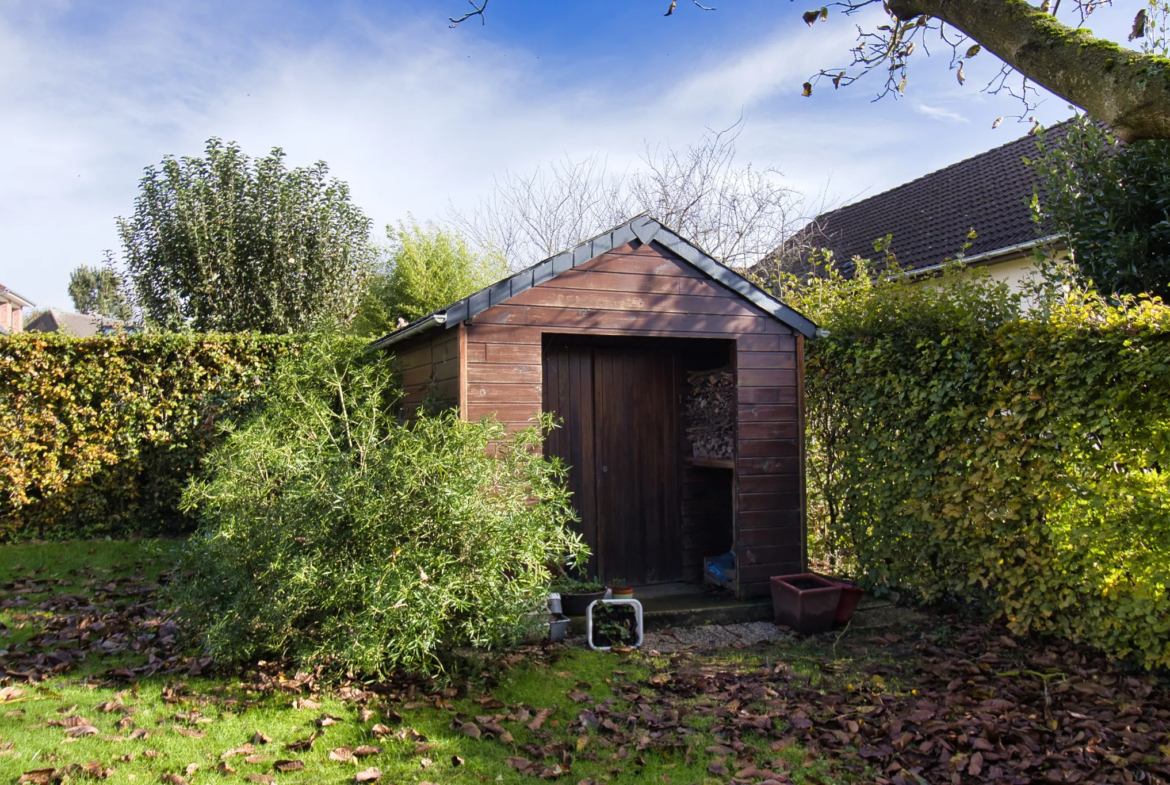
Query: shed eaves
(642,228)
(929,218)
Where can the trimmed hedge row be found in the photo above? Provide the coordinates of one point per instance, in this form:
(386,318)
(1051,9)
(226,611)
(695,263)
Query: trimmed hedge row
(98,436)
(1016,462)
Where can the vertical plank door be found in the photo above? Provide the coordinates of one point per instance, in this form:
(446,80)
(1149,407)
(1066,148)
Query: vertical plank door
(636,465)
(568,394)
(620,436)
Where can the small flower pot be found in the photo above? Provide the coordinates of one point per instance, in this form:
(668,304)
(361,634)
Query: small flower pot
(623,593)
(850,596)
(575,604)
(805,602)
(557,627)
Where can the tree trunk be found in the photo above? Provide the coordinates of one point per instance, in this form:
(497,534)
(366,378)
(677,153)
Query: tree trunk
(1128,90)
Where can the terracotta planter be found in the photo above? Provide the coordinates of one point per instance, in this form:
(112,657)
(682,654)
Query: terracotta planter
(623,593)
(575,604)
(850,596)
(805,602)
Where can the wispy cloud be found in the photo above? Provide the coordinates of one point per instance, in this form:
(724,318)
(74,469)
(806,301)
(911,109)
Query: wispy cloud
(412,115)
(938,113)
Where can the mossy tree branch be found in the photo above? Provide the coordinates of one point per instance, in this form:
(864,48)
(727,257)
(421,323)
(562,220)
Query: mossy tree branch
(1128,90)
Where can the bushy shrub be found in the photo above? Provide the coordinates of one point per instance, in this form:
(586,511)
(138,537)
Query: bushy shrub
(98,436)
(1017,462)
(1109,200)
(427,268)
(333,534)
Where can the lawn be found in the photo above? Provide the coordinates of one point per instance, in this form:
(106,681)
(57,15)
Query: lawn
(520,717)
(99,682)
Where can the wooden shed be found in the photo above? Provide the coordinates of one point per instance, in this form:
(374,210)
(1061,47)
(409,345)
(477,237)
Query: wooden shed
(607,336)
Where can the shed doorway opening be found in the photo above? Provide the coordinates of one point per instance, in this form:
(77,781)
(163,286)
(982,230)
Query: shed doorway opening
(649,511)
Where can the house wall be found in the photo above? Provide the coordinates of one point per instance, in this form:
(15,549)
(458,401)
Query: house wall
(641,290)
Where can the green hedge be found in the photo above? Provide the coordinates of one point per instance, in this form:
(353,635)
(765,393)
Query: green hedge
(1019,462)
(99,435)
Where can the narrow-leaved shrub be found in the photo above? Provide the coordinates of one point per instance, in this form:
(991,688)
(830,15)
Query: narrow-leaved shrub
(334,534)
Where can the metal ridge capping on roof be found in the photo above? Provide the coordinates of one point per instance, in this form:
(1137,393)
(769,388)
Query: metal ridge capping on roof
(640,227)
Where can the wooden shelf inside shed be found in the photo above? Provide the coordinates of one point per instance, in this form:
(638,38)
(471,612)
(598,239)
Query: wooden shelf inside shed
(711,463)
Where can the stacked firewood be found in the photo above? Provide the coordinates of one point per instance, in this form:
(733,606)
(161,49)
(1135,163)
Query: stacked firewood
(710,411)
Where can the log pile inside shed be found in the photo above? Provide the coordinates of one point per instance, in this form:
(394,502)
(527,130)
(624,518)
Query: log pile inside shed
(710,413)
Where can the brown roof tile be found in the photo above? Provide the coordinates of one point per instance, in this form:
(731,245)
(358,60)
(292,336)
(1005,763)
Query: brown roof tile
(930,218)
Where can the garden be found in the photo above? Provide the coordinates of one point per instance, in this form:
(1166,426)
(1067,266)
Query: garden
(315,606)
(236,556)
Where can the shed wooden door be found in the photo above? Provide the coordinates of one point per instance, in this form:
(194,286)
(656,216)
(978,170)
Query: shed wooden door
(619,406)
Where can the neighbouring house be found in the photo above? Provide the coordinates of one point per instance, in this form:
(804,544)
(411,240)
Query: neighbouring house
(12,307)
(929,219)
(617,337)
(81,325)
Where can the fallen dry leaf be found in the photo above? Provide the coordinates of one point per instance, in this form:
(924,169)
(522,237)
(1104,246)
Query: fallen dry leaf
(78,731)
(285,766)
(366,751)
(303,744)
(539,719)
(368,775)
(341,754)
(260,779)
(260,738)
(243,749)
(521,765)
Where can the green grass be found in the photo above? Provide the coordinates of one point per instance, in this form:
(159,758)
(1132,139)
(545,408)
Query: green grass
(227,711)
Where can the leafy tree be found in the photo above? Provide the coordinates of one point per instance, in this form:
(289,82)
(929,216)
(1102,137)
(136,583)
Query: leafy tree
(98,290)
(226,243)
(336,535)
(428,268)
(1112,202)
(1045,44)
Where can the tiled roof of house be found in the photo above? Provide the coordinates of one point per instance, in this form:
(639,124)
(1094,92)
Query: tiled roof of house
(930,218)
(77,324)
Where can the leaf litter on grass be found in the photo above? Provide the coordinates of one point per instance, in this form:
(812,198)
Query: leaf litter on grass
(924,706)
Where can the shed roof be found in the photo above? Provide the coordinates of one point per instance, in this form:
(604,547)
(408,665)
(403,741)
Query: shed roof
(929,218)
(642,228)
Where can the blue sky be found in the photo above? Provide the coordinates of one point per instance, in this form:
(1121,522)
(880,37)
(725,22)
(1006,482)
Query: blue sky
(417,117)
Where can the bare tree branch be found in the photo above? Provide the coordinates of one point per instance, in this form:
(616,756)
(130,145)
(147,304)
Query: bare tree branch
(737,213)
(479,9)
(1120,86)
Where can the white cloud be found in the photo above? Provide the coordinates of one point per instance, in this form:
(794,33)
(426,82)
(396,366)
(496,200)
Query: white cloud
(411,116)
(938,113)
